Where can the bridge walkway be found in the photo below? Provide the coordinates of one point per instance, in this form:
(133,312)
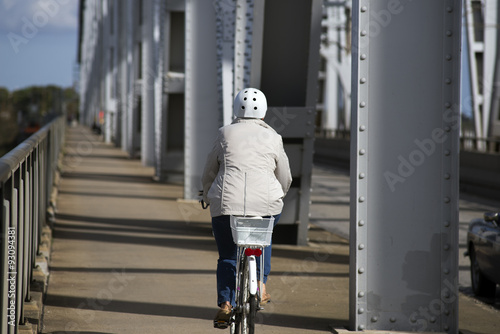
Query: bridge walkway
(129,256)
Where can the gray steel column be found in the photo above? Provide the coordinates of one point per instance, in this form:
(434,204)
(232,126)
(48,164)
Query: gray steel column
(159,14)
(243,40)
(337,52)
(106,104)
(126,74)
(131,100)
(225,21)
(239,33)
(491,20)
(201,98)
(404,165)
(492,41)
(149,79)
(475,42)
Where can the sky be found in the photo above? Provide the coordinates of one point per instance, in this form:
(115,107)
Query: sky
(38,42)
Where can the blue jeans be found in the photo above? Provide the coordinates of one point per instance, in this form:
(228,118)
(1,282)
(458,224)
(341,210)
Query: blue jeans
(226,265)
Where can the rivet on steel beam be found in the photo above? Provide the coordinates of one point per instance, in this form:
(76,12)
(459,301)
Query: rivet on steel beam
(432,319)
(447,223)
(447,152)
(446,295)
(363,56)
(447,176)
(374,318)
(446,271)
(448,57)
(449,9)
(447,200)
(361,294)
(447,105)
(361,246)
(447,129)
(362,175)
(413,319)
(361,310)
(448,81)
(449,33)
(362,104)
(446,247)
(361,199)
(446,312)
(361,327)
(362,80)
(361,223)
(362,128)
(392,319)
(363,33)
(446,327)
(362,151)
(364,9)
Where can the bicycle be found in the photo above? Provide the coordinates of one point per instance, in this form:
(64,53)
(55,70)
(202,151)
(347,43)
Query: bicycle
(251,235)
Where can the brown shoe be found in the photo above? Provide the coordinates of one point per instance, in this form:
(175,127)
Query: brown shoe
(222,317)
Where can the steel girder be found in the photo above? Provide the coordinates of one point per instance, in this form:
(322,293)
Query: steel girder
(336,50)
(481,22)
(201,93)
(492,51)
(404,165)
(255,50)
(149,79)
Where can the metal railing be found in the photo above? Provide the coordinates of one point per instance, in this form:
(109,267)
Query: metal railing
(467,143)
(333,133)
(26,182)
(484,145)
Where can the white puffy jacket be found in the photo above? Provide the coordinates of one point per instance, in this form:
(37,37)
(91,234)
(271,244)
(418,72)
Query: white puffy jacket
(247,171)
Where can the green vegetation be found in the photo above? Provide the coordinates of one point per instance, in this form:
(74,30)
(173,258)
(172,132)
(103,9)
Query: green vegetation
(25,111)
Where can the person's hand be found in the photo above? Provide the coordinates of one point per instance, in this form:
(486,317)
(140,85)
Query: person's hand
(202,202)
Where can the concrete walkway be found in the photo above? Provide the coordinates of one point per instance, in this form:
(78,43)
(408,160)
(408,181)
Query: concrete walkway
(129,257)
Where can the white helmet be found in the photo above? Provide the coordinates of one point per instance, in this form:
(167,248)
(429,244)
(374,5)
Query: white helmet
(250,103)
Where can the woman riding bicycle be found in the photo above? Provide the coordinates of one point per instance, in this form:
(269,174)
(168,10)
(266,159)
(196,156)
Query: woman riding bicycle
(246,173)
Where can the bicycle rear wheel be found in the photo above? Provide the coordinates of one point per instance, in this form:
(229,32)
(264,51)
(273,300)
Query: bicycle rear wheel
(248,301)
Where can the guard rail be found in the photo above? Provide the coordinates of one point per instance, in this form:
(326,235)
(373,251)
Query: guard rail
(26,182)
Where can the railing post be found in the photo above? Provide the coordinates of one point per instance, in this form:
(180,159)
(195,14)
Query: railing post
(26,180)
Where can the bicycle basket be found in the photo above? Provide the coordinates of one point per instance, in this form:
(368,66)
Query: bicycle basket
(252,231)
